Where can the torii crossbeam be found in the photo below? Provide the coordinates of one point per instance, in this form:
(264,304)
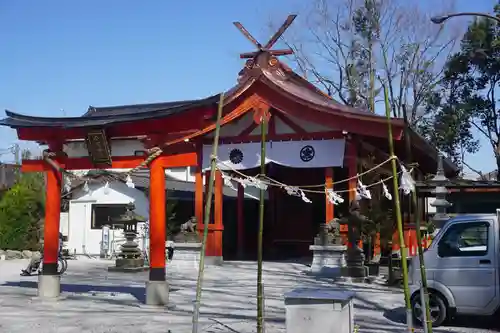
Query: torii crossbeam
(270,43)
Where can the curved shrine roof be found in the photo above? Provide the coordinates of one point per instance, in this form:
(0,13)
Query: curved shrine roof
(101,116)
(264,68)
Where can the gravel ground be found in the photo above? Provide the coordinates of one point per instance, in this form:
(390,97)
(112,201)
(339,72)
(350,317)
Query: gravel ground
(96,301)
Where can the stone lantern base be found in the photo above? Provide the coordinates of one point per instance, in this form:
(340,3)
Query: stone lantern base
(128,265)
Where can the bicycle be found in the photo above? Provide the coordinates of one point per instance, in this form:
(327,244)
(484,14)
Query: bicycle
(62,265)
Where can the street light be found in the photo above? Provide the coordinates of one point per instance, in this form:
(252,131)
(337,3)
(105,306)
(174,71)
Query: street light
(443,18)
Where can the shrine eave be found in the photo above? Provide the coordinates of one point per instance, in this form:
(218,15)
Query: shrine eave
(105,116)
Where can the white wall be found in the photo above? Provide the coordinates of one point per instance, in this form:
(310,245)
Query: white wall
(83,239)
(118,148)
(430,209)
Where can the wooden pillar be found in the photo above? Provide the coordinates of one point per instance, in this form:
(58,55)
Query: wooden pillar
(52,218)
(352,171)
(207,182)
(218,223)
(157,221)
(376,247)
(241,220)
(329,213)
(198,193)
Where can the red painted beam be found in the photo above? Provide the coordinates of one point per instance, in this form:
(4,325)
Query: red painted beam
(249,129)
(119,162)
(367,125)
(272,125)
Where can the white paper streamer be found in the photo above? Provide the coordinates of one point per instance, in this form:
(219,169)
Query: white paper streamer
(228,182)
(129,182)
(334,197)
(407,182)
(106,188)
(303,197)
(292,190)
(67,184)
(297,192)
(242,181)
(252,181)
(362,191)
(386,192)
(86,187)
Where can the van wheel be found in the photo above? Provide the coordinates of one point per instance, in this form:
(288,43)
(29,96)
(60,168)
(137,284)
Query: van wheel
(437,307)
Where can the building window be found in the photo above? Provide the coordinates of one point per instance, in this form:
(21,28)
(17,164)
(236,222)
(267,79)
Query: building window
(465,240)
(105,214)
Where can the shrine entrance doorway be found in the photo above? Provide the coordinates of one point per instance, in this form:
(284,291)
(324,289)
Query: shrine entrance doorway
(290,224)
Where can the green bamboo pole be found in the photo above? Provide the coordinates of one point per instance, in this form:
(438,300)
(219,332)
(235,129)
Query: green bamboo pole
(397,207)
(206,218)
(260,290)
(423,275)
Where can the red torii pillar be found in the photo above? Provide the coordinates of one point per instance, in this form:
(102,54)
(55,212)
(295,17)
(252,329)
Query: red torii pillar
(330,208)
(49,282)
(157,287)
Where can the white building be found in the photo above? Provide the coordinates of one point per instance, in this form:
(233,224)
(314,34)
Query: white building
(92,204)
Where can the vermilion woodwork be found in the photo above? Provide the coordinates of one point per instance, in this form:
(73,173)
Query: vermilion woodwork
(185,121)
(237,112)
(218,223)
(376,246)
(157,220)
(365,125)
(202,221)
(154,140)
(246,132)
(329,215)
(52,218)
(261,111)
(351,162)
(198,194)
(119,162)
(56,146)
(271,130)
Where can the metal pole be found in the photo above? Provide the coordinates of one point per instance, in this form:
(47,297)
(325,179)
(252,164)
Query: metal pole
(442,19)
(206,219)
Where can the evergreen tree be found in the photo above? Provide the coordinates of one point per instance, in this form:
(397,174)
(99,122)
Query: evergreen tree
(21,209)
(468,102)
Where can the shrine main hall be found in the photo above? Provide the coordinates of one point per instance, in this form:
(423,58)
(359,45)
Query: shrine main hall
(311,139)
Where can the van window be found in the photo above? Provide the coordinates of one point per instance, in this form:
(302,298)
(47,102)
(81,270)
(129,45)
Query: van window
(465,240)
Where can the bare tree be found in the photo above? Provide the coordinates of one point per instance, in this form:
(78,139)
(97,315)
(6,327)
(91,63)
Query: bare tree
(346,45)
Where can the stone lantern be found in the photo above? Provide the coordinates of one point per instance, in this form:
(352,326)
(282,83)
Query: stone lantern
(441,204)
(130,258)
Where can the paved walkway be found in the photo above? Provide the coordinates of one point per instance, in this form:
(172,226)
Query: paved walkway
(98,301)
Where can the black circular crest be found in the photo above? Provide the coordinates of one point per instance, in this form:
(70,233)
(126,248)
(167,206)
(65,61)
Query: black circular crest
(307,153)
(236,156)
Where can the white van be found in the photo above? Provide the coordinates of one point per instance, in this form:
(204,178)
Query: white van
(462,269)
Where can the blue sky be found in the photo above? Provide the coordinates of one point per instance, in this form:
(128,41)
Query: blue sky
(58,57)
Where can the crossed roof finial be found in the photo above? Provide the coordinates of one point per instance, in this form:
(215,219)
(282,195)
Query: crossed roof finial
(269,44)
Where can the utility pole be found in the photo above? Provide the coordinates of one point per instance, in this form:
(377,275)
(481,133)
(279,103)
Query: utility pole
(16,152)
